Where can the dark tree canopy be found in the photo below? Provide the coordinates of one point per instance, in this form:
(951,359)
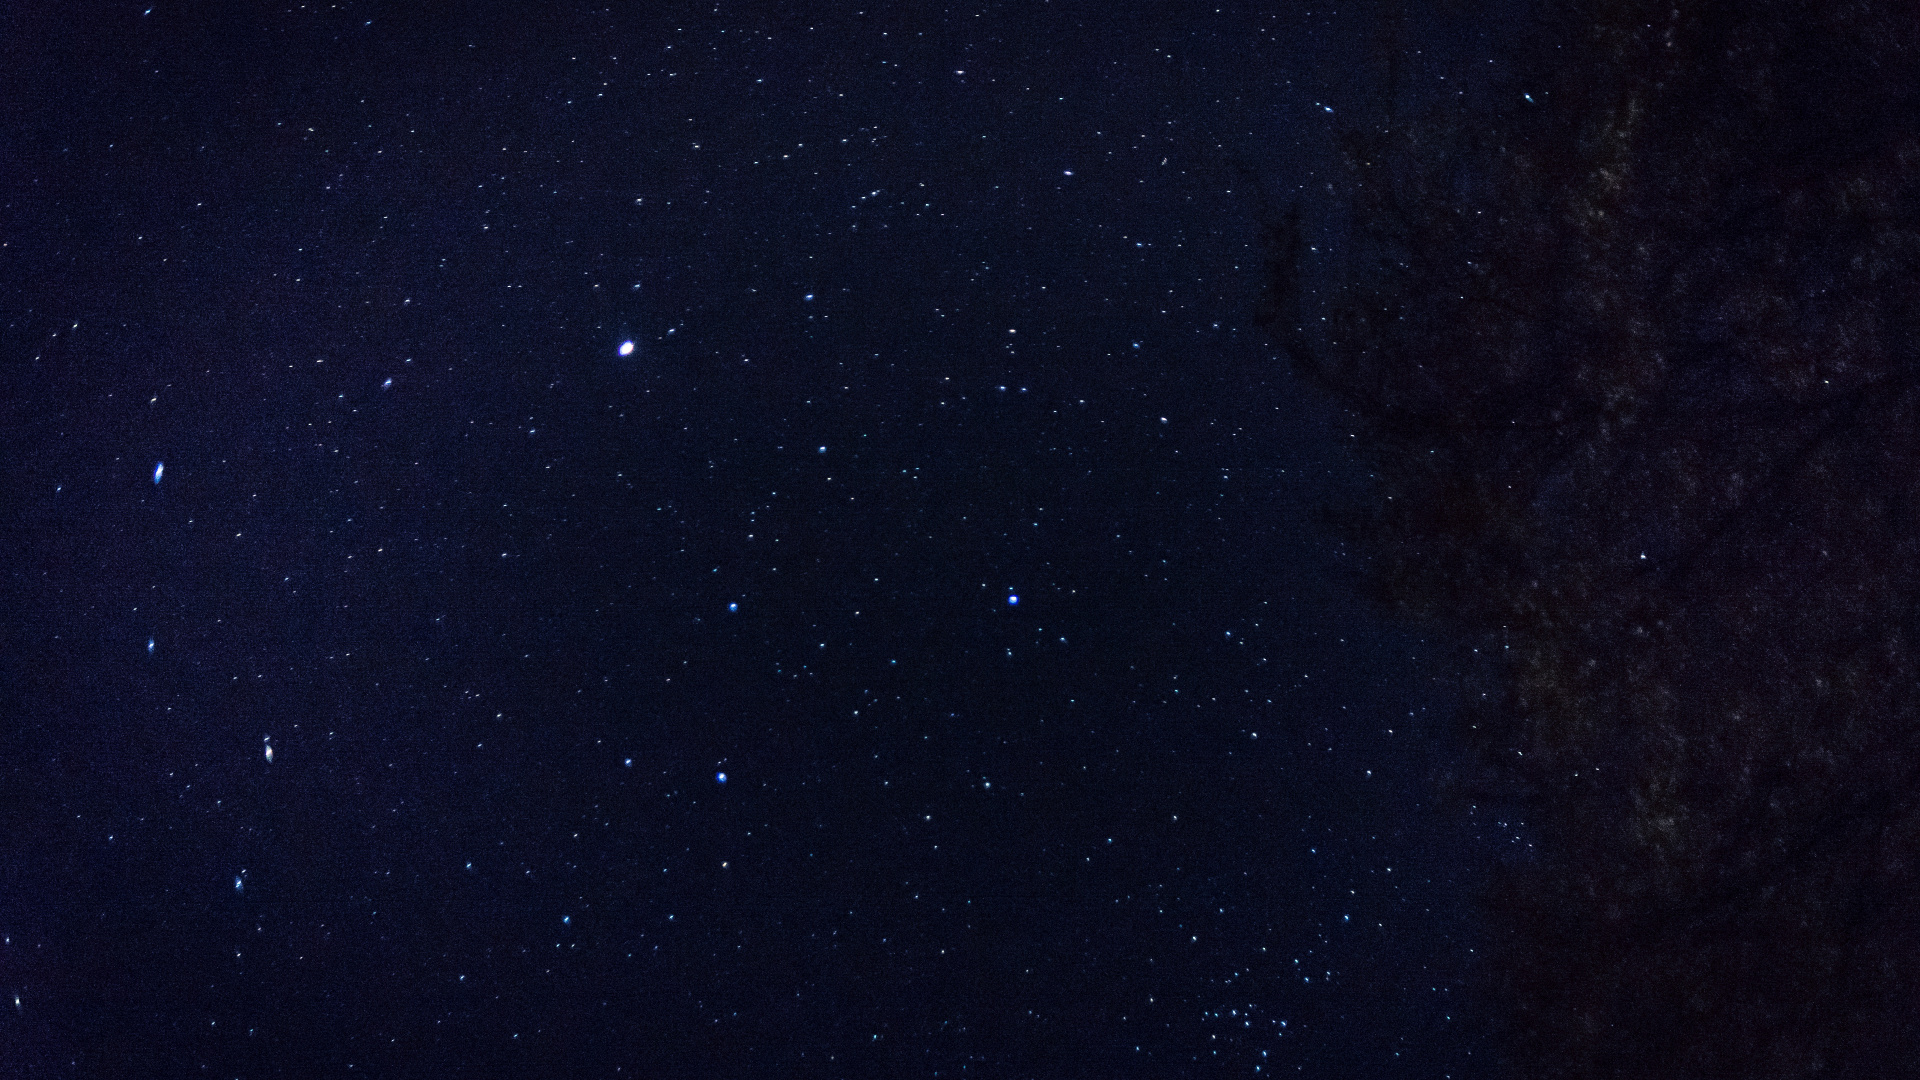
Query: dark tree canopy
(1638,359)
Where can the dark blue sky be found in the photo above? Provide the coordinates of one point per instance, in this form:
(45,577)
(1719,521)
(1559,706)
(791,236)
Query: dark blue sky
(930,311)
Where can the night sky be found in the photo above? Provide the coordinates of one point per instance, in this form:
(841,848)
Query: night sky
(716,539)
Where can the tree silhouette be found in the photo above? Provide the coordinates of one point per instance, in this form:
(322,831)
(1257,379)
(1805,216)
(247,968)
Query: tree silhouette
(1635,353)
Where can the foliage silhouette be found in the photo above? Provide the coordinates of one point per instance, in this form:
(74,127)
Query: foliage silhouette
(1633,350)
